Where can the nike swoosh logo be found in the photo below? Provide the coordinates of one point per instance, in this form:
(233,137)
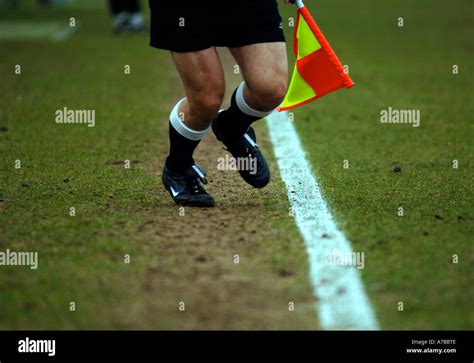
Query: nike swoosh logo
(174,192)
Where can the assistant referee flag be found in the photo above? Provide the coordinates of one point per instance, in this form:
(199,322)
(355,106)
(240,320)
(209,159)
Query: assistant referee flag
(317,71)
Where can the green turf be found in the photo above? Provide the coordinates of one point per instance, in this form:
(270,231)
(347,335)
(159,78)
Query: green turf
(409,258)
(119,211)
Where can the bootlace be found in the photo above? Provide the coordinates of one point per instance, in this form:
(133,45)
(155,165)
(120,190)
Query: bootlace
(194,182)
(194,185)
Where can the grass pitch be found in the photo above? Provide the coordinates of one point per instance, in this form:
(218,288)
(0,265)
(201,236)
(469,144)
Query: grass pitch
(237,266)
(409,258)
(191,257)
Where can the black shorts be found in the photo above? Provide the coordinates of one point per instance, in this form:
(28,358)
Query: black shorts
(192,25)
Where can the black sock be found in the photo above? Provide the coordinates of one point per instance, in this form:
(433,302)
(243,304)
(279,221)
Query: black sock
(181,151)
(232,123)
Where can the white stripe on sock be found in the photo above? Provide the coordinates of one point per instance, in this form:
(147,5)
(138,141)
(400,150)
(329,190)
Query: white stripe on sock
(181,128)
(244,107)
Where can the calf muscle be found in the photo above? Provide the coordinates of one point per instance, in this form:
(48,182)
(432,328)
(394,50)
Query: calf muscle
(204,83)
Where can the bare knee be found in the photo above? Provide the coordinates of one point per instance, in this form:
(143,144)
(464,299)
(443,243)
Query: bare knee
(205,104)
(269,94)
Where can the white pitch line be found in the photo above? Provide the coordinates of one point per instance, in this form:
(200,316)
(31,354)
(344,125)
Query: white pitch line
(64,33)
(342,301)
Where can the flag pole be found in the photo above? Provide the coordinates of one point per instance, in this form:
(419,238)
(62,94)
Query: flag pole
(299,4)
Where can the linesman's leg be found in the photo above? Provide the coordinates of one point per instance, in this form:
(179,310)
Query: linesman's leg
(204,84)
(265,70)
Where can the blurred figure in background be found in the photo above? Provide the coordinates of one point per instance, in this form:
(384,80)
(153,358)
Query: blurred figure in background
(127,16)
(12,4)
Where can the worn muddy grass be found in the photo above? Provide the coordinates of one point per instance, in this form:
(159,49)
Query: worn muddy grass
(174,258)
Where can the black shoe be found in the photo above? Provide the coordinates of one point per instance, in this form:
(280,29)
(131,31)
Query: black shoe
(185,188)
(247,151)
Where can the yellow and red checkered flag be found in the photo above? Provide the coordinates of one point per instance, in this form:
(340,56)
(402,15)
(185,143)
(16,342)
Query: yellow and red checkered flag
(317,71)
